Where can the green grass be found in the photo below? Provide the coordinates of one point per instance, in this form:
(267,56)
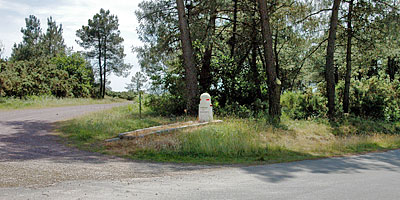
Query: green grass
(7,103)
(89,131)
(241,141)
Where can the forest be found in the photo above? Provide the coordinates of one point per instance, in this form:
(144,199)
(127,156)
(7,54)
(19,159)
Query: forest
(298,58)
(257,58)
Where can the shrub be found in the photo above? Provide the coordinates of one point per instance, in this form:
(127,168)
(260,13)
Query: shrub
(166,104)
(303,105)
(375,98)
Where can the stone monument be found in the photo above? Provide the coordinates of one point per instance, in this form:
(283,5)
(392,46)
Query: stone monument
(205,108)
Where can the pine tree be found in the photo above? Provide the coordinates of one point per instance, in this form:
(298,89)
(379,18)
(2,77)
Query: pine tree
(101,38)
(29,47)
(53,41)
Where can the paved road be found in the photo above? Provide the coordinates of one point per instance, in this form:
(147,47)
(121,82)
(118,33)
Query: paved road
(70,174)
(31,156)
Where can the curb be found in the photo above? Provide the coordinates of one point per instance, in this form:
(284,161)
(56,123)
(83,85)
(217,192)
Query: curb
(125,136)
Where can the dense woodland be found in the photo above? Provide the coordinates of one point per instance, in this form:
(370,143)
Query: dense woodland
(267,58)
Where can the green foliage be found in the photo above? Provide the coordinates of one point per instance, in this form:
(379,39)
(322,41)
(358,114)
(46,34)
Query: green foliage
(166,104)
(297,105)
(29,48)
(80,75)
(137,82)
(376,98)
(64,76)
(101,38)
(52,42)
(122,95)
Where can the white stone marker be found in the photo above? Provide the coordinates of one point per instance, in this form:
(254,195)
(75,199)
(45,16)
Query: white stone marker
(205,108)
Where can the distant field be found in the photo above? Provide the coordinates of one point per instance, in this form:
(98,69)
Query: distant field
(235,140)
(46,101)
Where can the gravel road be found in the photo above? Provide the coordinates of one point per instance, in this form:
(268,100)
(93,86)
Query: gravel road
(31,156)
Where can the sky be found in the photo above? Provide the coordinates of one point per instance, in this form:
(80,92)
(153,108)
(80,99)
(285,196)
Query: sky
(72,14)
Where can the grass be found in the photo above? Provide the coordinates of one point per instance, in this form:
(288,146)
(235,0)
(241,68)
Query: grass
(89,132)
(242,141)
(49,101)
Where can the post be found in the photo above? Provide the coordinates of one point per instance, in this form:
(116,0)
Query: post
(140,104)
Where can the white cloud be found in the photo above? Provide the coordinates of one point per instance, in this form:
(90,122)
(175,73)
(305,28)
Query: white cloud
(72,14)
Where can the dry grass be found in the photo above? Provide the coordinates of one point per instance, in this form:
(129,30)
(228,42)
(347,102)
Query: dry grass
(232,141)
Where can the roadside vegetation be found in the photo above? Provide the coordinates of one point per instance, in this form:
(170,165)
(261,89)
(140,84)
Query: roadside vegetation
(9,103)
(236,140)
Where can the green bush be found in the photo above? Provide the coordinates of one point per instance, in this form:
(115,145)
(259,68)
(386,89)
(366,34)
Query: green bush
(375,98)
(122,95)
(303,105)
(63,76)
(166,104)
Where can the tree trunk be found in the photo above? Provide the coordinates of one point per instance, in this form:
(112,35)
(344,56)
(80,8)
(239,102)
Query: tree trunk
(346,96)
(233,39)
(253,61)
(392,68)
(104,68)
(273,81)
(188,59)
(329,68)
(205,76)
(101,69)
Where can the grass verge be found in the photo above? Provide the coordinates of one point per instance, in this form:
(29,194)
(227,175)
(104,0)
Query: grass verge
(49,101)
(242,141)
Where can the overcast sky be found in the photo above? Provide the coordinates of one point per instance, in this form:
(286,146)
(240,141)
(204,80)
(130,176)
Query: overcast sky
(72,14)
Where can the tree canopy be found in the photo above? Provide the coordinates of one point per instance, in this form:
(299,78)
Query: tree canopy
(103,43)
(236,56)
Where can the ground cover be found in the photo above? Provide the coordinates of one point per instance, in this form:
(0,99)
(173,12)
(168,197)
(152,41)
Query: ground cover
(248,141)
(7,103)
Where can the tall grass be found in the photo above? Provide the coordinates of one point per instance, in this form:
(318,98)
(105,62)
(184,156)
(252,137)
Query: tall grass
(233,139)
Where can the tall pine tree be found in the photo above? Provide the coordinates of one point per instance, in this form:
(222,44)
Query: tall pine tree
(101,38)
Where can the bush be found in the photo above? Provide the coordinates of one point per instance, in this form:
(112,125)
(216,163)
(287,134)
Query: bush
(298,105)
(166,104)
(376,98)
(122,95)
(64,76)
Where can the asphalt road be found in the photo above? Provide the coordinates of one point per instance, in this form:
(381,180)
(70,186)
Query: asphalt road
(63,173)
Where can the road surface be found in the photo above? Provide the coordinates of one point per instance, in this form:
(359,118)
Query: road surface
(33,165)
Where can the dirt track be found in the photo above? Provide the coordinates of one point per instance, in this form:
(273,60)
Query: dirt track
(31,156)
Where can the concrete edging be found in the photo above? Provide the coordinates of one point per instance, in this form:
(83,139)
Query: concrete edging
(125,136)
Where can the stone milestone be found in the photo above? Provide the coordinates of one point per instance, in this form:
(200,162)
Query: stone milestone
(205,108)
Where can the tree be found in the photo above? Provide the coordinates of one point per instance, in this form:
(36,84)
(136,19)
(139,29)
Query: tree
(329,67)
(137,82)
(52,41)
(29,47)
(346,96)
(273,81)
(101,38)
(188,60)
